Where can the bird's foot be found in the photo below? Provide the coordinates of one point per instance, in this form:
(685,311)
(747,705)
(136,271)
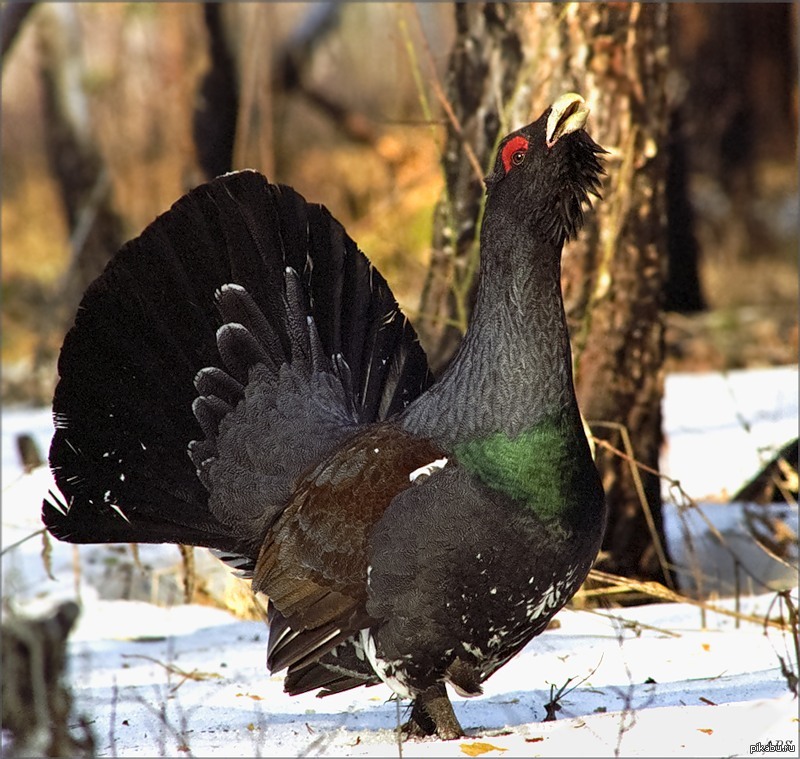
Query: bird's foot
(432,713)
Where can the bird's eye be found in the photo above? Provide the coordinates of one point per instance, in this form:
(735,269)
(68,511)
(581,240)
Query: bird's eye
(513,153)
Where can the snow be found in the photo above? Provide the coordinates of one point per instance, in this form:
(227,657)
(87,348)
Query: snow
(722,427)
(664,679)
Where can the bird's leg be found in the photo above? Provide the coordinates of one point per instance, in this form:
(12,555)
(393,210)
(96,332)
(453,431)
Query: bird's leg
(432,713)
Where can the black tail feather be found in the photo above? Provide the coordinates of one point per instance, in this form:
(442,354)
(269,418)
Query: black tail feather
(240,351)
(236,307)
(204,302)
(213,381)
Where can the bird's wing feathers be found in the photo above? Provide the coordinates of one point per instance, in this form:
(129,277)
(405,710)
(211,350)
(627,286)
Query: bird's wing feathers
(314,563)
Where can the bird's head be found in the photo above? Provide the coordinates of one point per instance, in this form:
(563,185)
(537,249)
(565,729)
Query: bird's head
(545,172)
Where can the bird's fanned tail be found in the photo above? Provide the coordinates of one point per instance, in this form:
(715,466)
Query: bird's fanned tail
(238,323)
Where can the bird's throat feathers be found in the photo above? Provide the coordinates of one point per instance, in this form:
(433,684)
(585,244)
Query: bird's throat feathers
(537,468)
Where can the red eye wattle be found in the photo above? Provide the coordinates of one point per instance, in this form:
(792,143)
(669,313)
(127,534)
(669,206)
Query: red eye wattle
(514,152)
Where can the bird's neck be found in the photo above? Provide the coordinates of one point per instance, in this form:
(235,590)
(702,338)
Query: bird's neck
(513,369)
(506,405)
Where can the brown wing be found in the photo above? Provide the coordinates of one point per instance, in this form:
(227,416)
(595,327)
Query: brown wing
(313,564)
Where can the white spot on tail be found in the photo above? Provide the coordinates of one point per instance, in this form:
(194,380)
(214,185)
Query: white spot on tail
(119,511)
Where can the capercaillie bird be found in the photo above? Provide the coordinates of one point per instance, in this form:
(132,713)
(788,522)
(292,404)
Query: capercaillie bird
(240,377)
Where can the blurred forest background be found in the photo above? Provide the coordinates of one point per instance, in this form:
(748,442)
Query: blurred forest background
(388,114)
(339,101)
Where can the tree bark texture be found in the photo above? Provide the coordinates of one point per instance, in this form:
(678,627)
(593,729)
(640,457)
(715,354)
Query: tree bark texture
(481,76)
(616,56)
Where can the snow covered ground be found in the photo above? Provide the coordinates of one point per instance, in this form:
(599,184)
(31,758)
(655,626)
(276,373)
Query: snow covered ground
(650,681)
(721,428)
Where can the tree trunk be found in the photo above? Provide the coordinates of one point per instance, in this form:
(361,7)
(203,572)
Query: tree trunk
(739,69)
(484,64)
(96,230)
(683,291)
(616,56)
(217,106)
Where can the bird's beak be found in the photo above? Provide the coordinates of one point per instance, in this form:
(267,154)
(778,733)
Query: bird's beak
(568,114)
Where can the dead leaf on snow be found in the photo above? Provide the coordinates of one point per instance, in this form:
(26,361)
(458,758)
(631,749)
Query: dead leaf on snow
(476,749)
(250,695)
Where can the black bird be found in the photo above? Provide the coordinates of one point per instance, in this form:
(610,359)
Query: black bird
(240,377)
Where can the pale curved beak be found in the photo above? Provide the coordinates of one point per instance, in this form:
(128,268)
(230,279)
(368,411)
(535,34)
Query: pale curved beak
(568,114)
